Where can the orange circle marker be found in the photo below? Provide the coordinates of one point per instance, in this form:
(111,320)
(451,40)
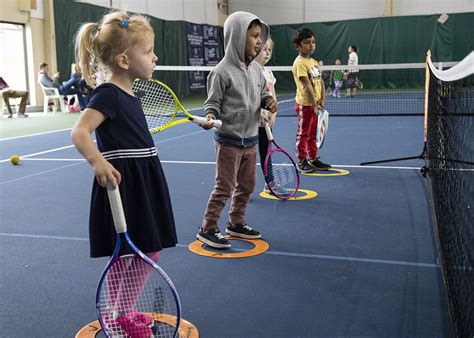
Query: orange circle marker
(260,246)
(186,329)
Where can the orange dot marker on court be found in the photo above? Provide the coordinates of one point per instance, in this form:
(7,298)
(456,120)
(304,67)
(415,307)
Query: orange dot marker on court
(260,246)
(186,328)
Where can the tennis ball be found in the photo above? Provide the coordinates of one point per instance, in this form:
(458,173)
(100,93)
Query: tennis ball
(15,159)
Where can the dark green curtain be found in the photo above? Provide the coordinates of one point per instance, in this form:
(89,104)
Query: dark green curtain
(170,40)
(173,51)
(380,40)
(68,17)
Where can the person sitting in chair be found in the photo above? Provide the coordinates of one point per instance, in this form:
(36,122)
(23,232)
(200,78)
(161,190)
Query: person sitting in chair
(68,87)
(83,87)
(8,93)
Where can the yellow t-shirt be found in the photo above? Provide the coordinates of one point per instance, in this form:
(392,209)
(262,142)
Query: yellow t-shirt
(303,67)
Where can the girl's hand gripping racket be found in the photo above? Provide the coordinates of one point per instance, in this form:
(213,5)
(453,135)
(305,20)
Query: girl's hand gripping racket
(161,106)
(323,125)
(135,297)
(280,172)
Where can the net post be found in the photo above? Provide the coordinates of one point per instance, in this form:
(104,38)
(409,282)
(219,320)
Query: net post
(427,89)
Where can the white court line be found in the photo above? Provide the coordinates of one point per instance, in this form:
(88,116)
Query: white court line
(269,252)
(40,153)
(80,161)
(37,134)
(26,157)
(57,131)
(213,163)
(40,173)
(55,159)
(72,146)
(373,167)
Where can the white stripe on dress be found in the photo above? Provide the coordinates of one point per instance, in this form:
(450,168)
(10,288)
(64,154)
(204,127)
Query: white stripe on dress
(130,153)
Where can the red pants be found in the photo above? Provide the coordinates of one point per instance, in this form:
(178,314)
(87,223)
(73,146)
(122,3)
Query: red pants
(306,133)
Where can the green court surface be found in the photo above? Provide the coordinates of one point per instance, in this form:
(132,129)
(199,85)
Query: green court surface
(36,123)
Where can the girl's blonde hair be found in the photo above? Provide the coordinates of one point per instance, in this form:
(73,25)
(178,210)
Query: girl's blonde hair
(269,41)
(98,44)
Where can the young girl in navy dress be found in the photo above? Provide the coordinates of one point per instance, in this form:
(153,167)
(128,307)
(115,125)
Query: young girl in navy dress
(125,155)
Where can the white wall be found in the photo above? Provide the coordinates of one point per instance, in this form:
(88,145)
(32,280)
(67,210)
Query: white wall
(276,12)
(196,11)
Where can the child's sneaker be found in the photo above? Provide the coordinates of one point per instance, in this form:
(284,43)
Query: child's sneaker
(113,326)
(319,165)
(139,317)
(304,166)
(213,238)
(282,192)
(135,325)
(279,191)
(242,231)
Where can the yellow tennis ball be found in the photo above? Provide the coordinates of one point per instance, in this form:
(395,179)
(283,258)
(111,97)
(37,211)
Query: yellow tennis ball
(15,159)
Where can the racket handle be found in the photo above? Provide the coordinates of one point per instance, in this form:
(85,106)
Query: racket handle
(217,124)
(202,120)
(268,131)
(117,209)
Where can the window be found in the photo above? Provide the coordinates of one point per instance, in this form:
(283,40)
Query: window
(12,55)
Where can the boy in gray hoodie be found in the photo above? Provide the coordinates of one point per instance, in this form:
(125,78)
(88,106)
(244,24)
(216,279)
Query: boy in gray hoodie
(237,90)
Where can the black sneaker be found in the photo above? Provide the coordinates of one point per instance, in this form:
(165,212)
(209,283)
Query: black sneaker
(213,238)
(319,165)
(242,231)
(305,167)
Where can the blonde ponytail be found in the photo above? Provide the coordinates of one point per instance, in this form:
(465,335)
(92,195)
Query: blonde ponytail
(86,53)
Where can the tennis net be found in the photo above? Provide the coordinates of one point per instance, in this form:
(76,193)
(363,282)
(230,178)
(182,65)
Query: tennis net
(450,162)
(383,89)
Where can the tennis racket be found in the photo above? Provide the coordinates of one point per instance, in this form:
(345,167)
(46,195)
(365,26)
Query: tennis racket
(280,172)
(323,125)
(135,297)
(161,106)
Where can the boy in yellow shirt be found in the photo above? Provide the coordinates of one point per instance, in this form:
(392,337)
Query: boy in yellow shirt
(309,100)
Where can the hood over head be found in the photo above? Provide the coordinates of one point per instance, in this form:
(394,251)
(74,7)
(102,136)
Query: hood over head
(235,35)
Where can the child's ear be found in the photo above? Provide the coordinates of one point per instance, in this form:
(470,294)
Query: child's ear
(122,61)
(296,46)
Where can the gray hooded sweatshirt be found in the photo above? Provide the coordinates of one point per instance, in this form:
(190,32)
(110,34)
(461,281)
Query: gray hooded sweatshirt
(237,91)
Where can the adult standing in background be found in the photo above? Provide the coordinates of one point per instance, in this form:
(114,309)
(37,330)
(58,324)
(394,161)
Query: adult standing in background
(350,75)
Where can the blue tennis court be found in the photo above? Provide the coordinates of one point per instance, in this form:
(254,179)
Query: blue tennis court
(359,259)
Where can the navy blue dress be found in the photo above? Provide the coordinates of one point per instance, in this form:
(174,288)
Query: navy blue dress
(124,140)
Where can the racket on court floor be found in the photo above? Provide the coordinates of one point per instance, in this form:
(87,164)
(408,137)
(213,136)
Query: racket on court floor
(161,106)
(280,172)
(135,297)
(323,125)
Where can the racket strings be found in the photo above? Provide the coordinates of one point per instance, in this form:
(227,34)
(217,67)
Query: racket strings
(158,104)
(281,173)
(136,300)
